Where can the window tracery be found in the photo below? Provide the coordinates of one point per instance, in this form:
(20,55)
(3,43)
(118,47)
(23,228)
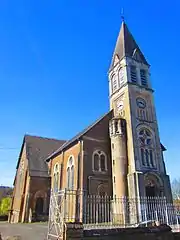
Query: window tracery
(146,148)
(56,176)
(70,173)
(99,161)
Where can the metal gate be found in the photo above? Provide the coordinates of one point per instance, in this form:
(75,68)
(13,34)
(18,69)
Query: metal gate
(56,215)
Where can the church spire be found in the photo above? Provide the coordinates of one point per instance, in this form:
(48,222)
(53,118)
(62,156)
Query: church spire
(126,46)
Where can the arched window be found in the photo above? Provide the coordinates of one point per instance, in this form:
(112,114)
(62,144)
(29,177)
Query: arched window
(96,162)
(70,173)
(143,77)
(146,147)
(40,202)
(133,74)
(142,157)
(114,82)
(102,190)
(72,177)
(99,161)
(56,178)
(121,76)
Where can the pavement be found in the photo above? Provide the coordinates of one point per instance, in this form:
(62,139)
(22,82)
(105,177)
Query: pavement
(29,231)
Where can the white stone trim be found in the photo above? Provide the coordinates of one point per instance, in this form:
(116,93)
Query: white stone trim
(68,163)
(71,179)
(56,168)
(56,171)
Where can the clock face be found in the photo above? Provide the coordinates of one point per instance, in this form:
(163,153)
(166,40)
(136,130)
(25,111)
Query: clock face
(141,102)
(119,105)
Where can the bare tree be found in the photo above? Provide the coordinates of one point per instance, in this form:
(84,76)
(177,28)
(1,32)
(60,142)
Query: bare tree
(175,185)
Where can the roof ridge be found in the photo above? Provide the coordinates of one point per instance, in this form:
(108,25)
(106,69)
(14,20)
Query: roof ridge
(85,130)
(35,136)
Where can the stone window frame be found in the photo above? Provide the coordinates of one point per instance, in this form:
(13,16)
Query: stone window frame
(143,77)
(99,153)
(133,74)
(146,148)
(114,82)
(43,195)
(70,173)
(56,177)
(121,78)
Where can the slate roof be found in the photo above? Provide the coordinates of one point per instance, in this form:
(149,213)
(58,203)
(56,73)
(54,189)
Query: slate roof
(126,45)
(37,149)
(77,137)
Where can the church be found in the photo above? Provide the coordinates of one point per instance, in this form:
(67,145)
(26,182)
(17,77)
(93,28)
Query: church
(119,155)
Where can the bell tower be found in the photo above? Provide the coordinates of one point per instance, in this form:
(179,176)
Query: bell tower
(138,168)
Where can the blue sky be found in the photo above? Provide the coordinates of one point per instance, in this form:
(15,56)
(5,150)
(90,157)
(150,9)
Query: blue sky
(54,58)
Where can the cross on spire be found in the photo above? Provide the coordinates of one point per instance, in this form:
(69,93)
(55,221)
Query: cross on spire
(122,14)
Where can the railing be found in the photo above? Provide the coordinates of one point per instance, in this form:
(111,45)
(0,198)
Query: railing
(96,211)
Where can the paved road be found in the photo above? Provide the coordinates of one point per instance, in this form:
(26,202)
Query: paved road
(35,231)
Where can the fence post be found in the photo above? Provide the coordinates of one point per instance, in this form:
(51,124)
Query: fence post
(145,210)
(50,213)
(77,211)
(139,215)
(96,206)
(65,203)
(167,217)
(156,216)
(85,207)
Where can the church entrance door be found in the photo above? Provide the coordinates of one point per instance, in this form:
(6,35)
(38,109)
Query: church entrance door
(39,206)
(150,191)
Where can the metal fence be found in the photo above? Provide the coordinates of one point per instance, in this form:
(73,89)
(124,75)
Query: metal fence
(96,211)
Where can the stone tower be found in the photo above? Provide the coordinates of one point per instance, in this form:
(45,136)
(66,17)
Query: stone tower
(138,167)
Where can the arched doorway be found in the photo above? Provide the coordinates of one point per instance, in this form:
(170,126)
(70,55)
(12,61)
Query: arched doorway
(40,206)
(150,191)
(153,191)
(102,204)
(153,185)
(102,190)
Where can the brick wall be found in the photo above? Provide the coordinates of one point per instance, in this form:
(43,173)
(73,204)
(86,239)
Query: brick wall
(42,186)
(75,231)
